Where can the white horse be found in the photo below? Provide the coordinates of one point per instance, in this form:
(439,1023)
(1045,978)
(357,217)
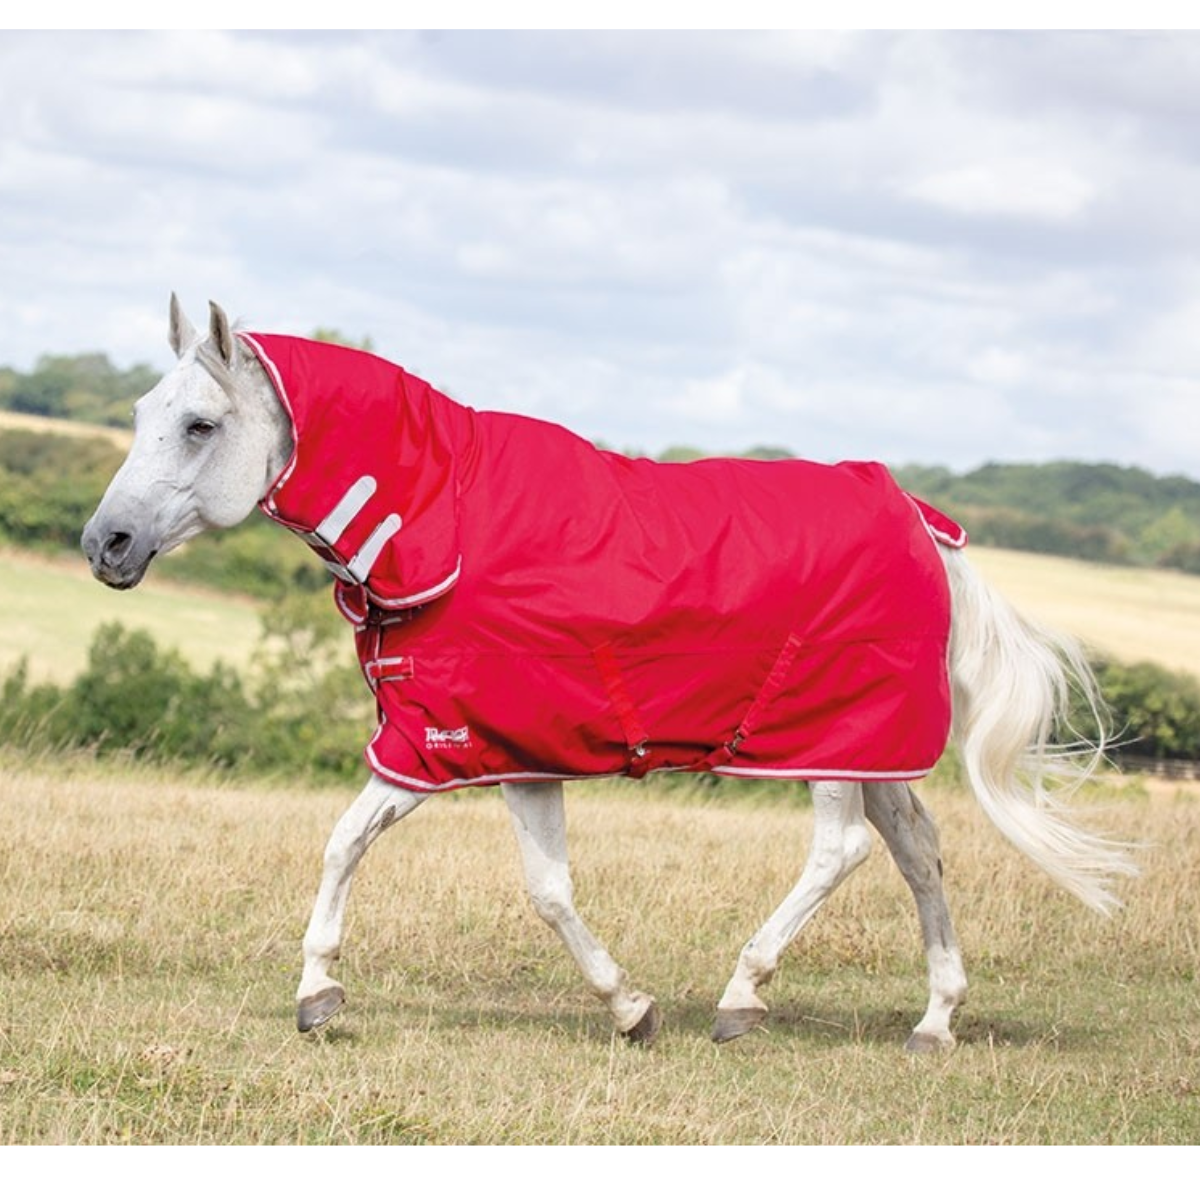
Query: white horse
(209,441)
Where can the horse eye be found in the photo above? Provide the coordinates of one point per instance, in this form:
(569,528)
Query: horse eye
(201,429)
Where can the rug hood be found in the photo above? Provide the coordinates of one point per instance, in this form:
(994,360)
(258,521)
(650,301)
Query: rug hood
(373,481)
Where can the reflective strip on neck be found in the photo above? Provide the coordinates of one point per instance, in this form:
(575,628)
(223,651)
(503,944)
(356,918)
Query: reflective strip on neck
(346,509)
(360,565)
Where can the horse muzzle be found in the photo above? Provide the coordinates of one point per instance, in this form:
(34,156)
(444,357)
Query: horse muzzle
(115,556)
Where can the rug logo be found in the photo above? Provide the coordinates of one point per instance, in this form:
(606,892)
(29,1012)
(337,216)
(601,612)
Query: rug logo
(437,739)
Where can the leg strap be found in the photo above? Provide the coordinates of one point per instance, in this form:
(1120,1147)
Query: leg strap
(631,723)
(636,737)
(772,686)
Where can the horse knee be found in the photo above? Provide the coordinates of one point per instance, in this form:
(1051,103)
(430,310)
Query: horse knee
(838,858)
(342,855)
(856,846)
(553,901)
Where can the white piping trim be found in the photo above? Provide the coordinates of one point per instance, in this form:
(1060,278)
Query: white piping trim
(821,774)
(358,619)
(937,535)
(276,378)
(423,785)
(428,594)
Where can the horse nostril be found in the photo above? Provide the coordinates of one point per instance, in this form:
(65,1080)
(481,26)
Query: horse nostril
(116,546)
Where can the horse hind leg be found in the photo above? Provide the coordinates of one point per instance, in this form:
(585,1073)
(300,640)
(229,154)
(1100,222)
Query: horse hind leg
(840,842)
(539,822)
(911,836)
(378,805)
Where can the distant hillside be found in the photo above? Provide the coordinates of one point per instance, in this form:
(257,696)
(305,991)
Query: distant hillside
(1094,511)
(1098,512)
(52,478)
(82,387)
(88,387)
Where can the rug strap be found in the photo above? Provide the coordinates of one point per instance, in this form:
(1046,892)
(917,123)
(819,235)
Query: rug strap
(635,733)
(777,677)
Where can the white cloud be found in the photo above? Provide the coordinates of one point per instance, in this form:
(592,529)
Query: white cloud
(1041,190)
(917,246)
(718,400)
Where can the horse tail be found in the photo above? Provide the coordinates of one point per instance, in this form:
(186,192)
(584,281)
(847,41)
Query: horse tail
(1012,685)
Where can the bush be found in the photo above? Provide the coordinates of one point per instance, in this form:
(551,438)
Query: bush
(138,699)
(1155,712)
(257,558)
(307,712)
(50,484)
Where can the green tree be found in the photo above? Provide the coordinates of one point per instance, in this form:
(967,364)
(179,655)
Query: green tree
(338,338)
(1154,712)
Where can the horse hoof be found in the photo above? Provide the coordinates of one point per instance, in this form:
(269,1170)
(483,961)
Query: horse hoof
(316,1010)
(929,1043)
(734,1022)
(646,1030)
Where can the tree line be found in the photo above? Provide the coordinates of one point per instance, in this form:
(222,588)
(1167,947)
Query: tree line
(51,482)
(1096,511)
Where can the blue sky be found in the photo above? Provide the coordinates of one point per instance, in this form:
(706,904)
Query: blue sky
(941,247)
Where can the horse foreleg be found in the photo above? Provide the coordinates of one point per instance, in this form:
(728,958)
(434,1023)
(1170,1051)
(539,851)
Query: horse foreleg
(539,820)
(840,841)
(378,805)
(911,836)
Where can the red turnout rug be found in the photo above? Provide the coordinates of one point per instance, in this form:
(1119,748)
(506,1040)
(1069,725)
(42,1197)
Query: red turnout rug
(529,607)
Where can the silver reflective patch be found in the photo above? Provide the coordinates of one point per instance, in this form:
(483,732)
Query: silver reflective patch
(360,565)
(346,509)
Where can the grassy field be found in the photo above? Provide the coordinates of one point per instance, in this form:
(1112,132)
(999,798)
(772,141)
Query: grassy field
(121,438)
(1128,612)
(52,608)
(149,948)
(149,945)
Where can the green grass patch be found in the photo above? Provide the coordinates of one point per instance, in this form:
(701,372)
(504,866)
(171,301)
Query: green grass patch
(53,607)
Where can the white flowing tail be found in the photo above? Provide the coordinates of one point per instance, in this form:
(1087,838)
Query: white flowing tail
(1012,684)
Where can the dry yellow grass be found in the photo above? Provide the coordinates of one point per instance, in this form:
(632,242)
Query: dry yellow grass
(1128,612)
(121,438)
(53,606)
(149,943)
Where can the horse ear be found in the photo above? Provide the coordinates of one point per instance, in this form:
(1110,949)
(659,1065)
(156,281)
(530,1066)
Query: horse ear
(219,331)
(181,333)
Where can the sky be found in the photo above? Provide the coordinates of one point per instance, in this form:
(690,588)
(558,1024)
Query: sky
(944,247)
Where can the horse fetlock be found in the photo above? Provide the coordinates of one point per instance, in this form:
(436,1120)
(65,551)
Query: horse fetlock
(756,968)
(741,992)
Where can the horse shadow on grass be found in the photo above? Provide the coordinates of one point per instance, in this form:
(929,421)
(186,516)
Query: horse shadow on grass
(814,1026)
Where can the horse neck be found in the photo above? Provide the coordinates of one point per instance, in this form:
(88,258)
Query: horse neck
(256,395)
